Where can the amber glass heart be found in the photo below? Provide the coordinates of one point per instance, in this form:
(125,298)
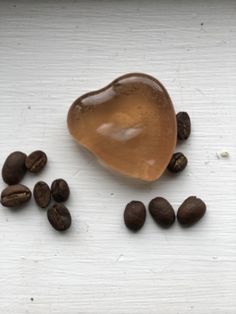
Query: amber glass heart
(130,125)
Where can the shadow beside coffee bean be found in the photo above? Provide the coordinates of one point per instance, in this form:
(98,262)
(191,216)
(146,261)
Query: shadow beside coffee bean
(16,194)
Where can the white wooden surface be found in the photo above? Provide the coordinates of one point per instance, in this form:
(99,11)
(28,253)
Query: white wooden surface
(50,53)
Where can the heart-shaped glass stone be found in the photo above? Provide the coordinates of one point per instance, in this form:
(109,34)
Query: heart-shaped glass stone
(130,125)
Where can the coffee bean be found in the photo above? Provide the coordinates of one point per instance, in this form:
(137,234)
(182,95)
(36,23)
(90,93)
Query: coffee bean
(36,161)
(183,125)
(60,190)
(59,217)
(135,215)
(177,163)
(162,212)
(15,195)
(42,194)
(192,210)
(14,168)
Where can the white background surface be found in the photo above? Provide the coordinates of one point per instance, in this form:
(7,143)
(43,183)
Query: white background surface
(51,52)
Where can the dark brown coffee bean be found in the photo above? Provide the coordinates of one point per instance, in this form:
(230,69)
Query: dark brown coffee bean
(36,161)
(14,168)
(42,194)
(15,195)
(59,217)
(162,212)
(183,125)
(192,210)
(60,190)
(177,163)
(135,215)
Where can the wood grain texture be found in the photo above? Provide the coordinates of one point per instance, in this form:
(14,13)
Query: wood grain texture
(51,53)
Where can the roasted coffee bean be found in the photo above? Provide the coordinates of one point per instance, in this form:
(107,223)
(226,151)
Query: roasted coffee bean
(42,194)
(135,215)
(60,190)
(162,212)
(15,195)
(183,125)
(192,210)
(14,168)
(59,217)
(177,163)
(36,161)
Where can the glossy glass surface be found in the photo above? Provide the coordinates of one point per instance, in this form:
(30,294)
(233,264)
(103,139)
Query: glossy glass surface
(130,125)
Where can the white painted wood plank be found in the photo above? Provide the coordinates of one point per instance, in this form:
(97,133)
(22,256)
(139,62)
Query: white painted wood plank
(51,53)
